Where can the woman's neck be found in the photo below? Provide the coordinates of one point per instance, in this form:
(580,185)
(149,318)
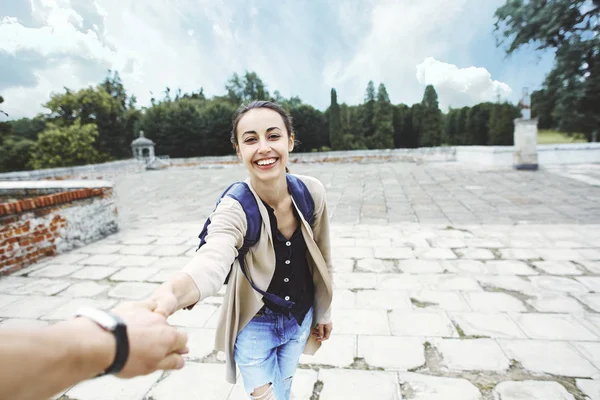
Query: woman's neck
(273,192)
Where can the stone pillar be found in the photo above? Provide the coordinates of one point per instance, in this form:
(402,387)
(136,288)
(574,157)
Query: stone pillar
(525,137)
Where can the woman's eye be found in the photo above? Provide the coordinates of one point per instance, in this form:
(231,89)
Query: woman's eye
(274,136)
(249,140)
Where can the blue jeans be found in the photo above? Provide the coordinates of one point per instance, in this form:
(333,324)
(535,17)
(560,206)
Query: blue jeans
(268,349)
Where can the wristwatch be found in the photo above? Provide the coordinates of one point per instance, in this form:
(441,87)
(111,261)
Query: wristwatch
(111,323)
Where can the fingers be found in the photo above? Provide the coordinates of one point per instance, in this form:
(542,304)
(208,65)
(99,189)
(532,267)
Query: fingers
(327,329)
(172,361)
(179,342)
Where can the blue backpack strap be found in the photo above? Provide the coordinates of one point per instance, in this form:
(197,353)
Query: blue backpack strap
(302,198)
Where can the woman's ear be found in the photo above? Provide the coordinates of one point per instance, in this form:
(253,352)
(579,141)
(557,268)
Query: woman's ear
(291,142)
(237,152)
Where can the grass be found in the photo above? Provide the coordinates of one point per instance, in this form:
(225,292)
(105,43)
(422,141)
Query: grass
(554,137)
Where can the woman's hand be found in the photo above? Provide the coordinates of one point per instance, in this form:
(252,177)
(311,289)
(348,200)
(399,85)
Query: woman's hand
(322,331)
(166,302)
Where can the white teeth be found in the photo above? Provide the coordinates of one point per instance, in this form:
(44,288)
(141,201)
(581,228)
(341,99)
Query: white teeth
(266,162)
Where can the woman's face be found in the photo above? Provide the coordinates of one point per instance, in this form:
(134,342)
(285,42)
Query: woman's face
(263,143)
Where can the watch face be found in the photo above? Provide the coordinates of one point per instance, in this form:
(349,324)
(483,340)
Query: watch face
(103,318)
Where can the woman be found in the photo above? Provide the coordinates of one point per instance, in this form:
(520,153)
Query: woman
(291,260)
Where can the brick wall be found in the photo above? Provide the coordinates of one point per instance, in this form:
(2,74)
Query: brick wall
(38,226)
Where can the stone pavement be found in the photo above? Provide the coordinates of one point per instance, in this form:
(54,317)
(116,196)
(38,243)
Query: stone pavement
(450,283)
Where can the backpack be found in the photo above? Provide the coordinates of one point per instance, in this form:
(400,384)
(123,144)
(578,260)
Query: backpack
(242,193)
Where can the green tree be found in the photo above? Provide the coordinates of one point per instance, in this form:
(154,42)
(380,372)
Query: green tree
(417,112)
(335,123)
(402,125)
(450,125)
(461,126)
(311,128)
(430,121)
(572,29)
(477,127)
(501,125)
(246,88)
(367,112)
(60,146)
(542,107)
(15,154)
(383,122)
(2,111)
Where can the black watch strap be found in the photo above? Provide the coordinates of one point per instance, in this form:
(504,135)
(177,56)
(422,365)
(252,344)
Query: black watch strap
(120,333)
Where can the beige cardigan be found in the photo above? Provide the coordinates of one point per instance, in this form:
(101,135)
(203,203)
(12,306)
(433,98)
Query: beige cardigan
(212,262)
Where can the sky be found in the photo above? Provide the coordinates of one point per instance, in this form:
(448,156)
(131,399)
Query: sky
(301,48)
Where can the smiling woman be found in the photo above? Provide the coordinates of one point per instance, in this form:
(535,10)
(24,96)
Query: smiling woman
(288,266)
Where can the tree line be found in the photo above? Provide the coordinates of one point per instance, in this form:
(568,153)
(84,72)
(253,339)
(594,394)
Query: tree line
(98,124)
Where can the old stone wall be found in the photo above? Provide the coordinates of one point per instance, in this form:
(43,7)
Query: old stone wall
(36,226)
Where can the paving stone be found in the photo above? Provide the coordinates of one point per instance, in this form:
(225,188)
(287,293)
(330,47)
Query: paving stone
(339,351)
(550,357)
(112,388)
(479,242)
(201,342)
(464,266)
(434,300)
(99,248)
(135,261)
(68,309)
(374,265)
(356,384)
(494,325)
(475,254)
(170,262)
(134,274)
(447,282)
(435,254)
(421,323)
(553,327)
(392,352)
(518,254)
(361,322)
(592,300)
(531,390)
(138,240)
(427,387)
(396,253)
(41,286)
(556,284)
(590,350)
(471,354)
(354,280)
(55,270)
(172,240)
(382,299)
(513,283)
(590,388)
(343,264)
(22,323)
(493,301)
(102,259)
(356,252)
(302,386)
(136,250)
(509,267)
(559,254)
(66,258)
(133,290)
(194,381)
(344,298)
(420,267)
(447,242)
(558,267)
(32,307)
(590,254)
(195,318)
(6,299)
(403,281)
(94,273)
(171,251)
(556,303)
(86,289)
(592,266)
(163,275)
(591,282)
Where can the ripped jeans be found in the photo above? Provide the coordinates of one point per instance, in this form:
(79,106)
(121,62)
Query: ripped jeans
(268,349)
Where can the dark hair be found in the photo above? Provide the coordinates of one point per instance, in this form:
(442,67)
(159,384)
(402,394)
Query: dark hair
(243,109)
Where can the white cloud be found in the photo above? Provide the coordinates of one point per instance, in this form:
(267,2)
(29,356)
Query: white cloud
(458,87)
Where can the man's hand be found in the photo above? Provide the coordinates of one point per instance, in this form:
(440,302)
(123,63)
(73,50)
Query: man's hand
(322,331)
(153,344)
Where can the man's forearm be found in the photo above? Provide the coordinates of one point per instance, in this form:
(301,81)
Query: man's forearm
(39,363)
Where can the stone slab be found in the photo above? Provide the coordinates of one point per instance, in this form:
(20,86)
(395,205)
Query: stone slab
(94,273)
(134,261)
(392,352)
(102,259)
(55,270)
(494,325)
(339,351)
(133,290)
(113,388)
(32,307)
(200,342)
(374,265)
(556,303)
(355,280)
(437,300)
(420,266)
(68,309)
(553,327)
(590,350)
(425,387)
(421,324)
(395,253)
(558,267)
(531,390)
(134,274)
(358,385)
(194,381)
(591,282)
(471,355)
(475,254)
(590,388)
(509,267)
(6,299)
(382,299)
(556,284)
(41,286)
(86,289)
(493,301)
(362,322)
(23,323)
(435,254)
(549,357)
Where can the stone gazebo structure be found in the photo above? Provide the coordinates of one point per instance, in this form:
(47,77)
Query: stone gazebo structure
(143,148)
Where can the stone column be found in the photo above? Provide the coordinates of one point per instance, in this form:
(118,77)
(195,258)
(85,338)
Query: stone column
(525,137)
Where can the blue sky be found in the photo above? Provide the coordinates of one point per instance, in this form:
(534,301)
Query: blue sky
(301,48)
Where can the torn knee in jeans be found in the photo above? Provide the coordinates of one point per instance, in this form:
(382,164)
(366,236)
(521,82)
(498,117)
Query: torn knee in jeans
(264,392)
